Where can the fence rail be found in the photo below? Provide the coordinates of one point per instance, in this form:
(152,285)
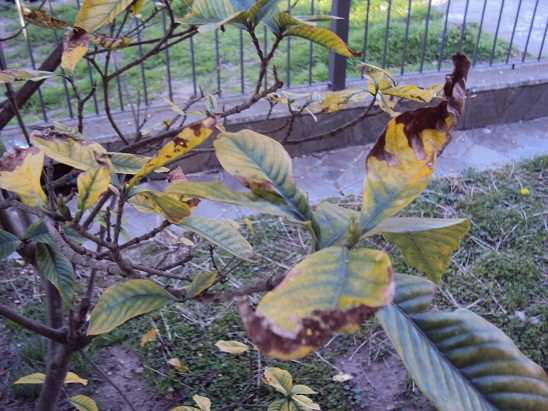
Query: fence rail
(402,35)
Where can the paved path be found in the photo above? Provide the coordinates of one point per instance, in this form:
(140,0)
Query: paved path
(341,172)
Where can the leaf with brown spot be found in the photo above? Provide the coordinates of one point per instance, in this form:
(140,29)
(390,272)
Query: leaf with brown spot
(20,173)
(110,43)
(43,19)
(334,101)
(186,140)
(401,163)
(75,46)
(333,290)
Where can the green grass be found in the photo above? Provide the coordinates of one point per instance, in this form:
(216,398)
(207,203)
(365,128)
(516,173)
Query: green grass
(155,68)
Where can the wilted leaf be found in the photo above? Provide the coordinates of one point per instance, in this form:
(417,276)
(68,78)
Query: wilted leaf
(458,358)
(110,43)
(186,140)
(149,336)
(43,19)
(231,347)
(153,202)
(136,6)
(203,402)
(334,289)
(65,149)
(280,405)
(324,38)
(174,107)
(122,302)
(200,283)
(95,14)
(409,92)
(221,234)
(280,379)
(400,164)
(20,173)
(342,377)
(71,131)
(177,364)
(14,75)
(8,244)
(262,165)
(57,269)
(75,46)
(91,185)
(83,403)
(425,243)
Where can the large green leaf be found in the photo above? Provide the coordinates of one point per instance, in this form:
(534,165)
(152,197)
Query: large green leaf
(95,14)
(401,163)
(57,269)
(262,165)
(425,243)
(154,202)
(122,302)
(457,359)
(221,234)
(334,289)
(8,243)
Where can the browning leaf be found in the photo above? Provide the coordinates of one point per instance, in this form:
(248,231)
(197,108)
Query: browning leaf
(110,43)
(43,19)
(75,46)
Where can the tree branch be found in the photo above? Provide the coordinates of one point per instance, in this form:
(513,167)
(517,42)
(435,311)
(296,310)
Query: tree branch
(59,335)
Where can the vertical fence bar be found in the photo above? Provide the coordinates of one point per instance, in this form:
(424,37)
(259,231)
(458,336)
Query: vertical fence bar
(405,38)
(265,46)
(337,63)
(463,28)
(496,34)
(143,77)
(479,34)
(242,83)
(310,49)
(529,33)
(65,85)
(513,33)
(29,48)
(193,64)
(366,32)
(440,59)
(217,62)
(425,37)
(168,66)
(543,38)
(288,62)
(386,34)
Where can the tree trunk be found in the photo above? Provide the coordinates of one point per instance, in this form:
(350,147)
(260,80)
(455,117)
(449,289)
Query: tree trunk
(56,373)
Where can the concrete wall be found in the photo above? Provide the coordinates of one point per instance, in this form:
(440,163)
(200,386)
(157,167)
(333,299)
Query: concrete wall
(496,95)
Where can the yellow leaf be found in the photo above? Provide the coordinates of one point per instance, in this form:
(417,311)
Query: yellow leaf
(280,379)
(91,185)
(410,92)
(175,107)
(203,402)
(75,46)
(65,149)
(334,101)
(149,336)
(177,364)
(249,225)
(136,6)
(20,173)
(342,377)
(72,378)
(186,140)
(304,401)
(200,283)
(95,14)
(231,347)
(83,403)
(153,202)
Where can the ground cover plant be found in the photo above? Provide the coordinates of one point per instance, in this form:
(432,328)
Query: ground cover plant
(226,56)
(338,283)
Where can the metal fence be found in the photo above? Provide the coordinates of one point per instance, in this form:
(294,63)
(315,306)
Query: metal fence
(402,35)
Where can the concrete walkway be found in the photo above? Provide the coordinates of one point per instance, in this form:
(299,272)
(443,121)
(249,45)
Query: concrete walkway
(341,172)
